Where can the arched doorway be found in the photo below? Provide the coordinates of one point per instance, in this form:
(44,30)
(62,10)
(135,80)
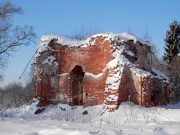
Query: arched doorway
(76,85)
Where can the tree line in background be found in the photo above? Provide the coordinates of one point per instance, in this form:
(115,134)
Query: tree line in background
(11,37)
(15,94)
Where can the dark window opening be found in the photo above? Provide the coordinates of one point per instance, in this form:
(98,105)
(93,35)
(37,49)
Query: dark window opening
(76,85)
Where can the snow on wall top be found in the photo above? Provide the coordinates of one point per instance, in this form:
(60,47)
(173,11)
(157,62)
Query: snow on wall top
(64,40)
(160,75)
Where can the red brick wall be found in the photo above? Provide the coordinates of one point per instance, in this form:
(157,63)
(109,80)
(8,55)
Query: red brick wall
(92,59)
(134,88)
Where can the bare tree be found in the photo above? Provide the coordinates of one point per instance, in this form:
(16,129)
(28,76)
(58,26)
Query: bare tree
(12,37)
(12,95)
(83,32)
(146,36)
(29,89)
(155,60)
(15,95)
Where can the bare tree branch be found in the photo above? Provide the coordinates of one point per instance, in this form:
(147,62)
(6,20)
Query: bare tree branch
(7,10)
(20,36)
(12,37)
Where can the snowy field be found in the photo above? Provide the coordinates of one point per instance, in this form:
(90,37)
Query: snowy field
(62,119)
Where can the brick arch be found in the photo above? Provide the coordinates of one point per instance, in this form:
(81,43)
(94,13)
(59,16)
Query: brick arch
(76,85)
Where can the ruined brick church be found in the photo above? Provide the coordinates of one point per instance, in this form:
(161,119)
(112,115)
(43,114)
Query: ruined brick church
(103,69)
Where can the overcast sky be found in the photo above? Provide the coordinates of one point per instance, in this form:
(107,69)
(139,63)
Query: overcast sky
(67,16)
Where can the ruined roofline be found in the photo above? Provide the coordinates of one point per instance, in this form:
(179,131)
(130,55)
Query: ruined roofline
(65,40)
(72,42)
(121,38)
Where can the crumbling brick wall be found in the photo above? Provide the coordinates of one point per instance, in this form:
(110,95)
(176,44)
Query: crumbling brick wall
(107,71)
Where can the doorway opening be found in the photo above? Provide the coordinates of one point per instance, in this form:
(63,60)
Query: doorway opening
(76,85)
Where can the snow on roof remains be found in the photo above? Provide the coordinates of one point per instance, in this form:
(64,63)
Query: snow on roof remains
(160,75)
(65,40)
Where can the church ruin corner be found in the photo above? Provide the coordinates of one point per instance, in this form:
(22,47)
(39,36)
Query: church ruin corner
(104,69)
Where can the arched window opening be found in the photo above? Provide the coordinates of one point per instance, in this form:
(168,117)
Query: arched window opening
(76,85)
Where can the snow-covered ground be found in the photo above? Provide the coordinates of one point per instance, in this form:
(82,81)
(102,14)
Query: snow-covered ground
(62,119)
